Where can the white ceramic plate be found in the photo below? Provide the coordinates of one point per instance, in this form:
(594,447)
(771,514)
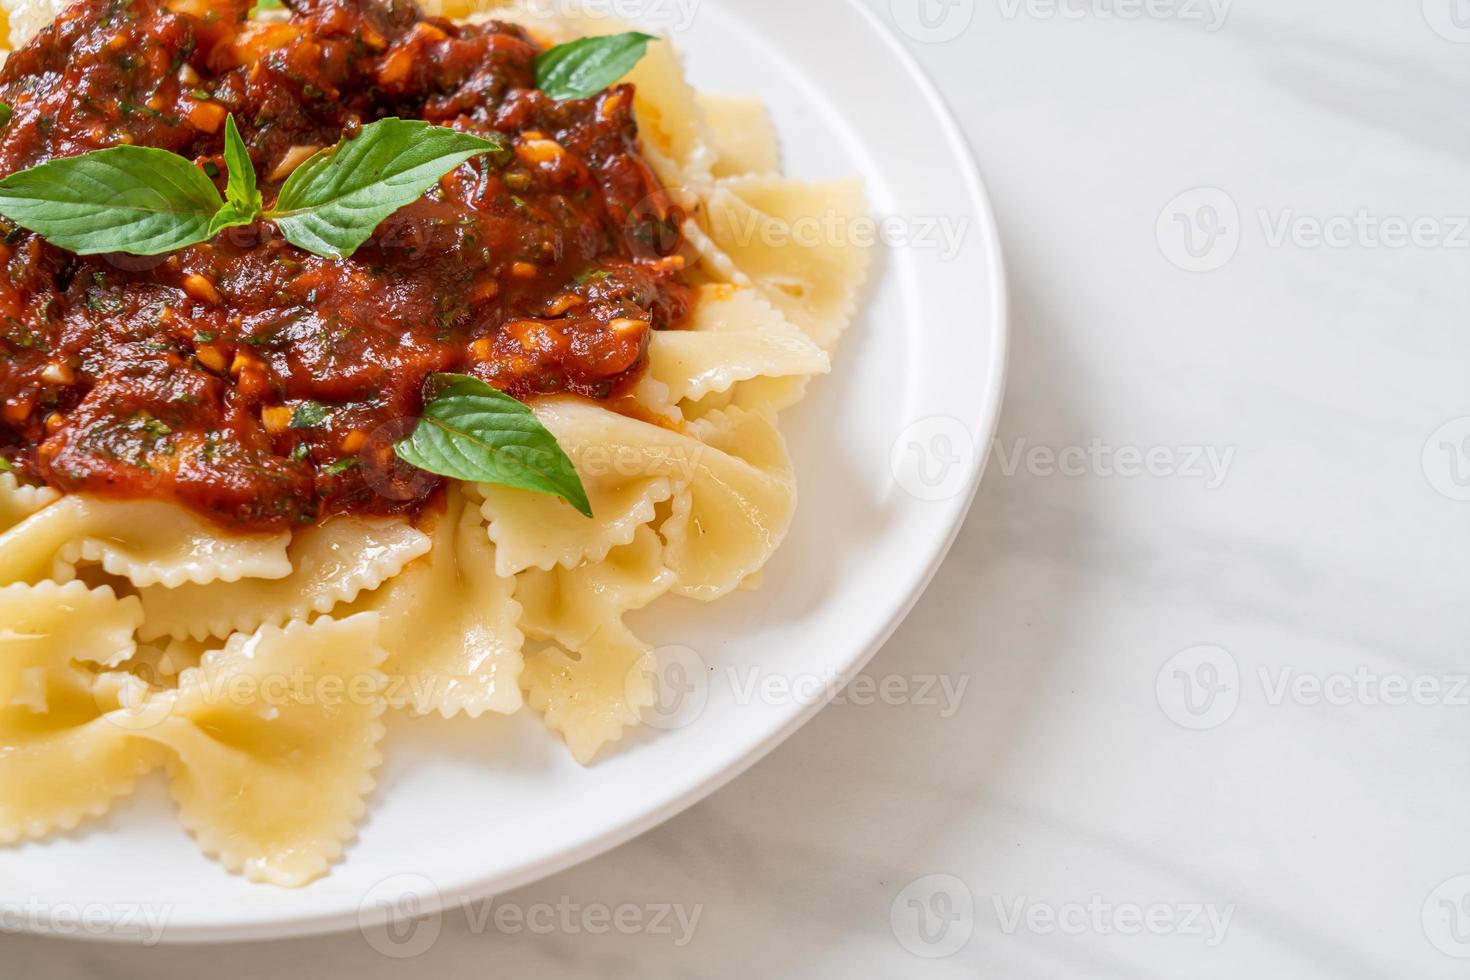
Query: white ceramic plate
(466,809)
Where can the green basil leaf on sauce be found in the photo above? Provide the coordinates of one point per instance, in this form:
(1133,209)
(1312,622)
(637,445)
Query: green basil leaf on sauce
(470,431)
(586,66)
(5,112)
(332,202)
(240,189)
(4,465)
(133,199)
(228,216)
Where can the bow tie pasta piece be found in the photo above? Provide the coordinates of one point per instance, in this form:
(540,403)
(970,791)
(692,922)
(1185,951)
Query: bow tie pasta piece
(571,605)
(769,396)
(61,759)
(732,516)
(51,626)
(628,467)
(272,742)
(330,563)
(449,623)
(744,140)
(655,400)
(148,542)
(734,336)
(592,694)
(711,262)
(675,138)
(804,245)
(17,502)
(592,697)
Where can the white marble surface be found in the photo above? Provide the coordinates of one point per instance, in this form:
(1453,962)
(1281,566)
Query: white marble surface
(1324,549)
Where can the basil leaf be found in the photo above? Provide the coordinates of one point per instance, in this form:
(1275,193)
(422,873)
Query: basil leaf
(228,216)
(332,202)
(5,112)
(4,465)
(242,198)
(471,431)
(240,189)
(586,66)
(133,199)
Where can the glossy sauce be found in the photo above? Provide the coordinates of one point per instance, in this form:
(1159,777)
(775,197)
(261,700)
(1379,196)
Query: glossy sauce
(263,385)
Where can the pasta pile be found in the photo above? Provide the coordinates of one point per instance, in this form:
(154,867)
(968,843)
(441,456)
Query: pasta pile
(256,670)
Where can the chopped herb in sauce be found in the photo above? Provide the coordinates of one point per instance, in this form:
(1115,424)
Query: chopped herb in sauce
(309,415)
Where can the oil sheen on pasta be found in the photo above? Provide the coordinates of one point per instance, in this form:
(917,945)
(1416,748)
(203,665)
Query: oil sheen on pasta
(262,385)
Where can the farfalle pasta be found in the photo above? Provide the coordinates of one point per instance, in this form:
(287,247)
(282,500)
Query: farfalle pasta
(450,623)
(62,760)
(216,560)
(796,243)
(145,541)
(271,778)
(328,565)
(734,335)
(18,502)
(744,139)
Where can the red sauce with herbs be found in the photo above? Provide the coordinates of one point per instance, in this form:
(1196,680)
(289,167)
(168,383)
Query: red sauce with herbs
(265,386)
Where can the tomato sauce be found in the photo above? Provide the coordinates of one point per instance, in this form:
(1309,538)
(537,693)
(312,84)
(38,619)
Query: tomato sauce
(265,386)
